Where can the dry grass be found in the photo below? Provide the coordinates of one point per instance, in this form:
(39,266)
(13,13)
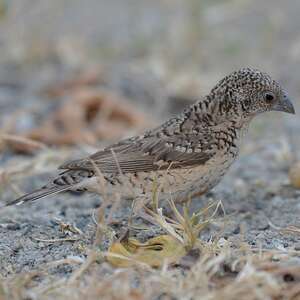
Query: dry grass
(211,270)
(218,271)
(259,277)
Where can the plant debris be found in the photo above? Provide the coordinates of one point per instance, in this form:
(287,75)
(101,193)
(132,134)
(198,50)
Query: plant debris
(20,144)
(87,117)
(155,252)
(294,175)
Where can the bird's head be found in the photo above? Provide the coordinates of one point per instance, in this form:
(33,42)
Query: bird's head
(250,92)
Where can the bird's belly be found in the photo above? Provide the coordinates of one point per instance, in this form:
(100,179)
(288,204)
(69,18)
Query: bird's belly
(180,184)
(198,180)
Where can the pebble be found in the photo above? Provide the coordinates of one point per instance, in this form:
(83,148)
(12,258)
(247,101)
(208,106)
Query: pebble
(13,226)
(297,247)
(263,226)
(237,230)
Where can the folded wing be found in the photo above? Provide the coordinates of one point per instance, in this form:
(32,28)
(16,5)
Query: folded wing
(149,153)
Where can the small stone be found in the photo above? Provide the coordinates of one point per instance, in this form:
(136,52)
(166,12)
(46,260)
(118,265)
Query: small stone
(17,247)
(13,226)
(237,230)
(297,247)
(263,226)
(288,277)
(275,258)
(294,175)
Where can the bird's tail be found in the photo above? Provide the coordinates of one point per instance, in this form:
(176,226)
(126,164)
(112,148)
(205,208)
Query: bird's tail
(39,194)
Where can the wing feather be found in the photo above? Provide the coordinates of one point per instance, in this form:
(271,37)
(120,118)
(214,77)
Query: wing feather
(149,153)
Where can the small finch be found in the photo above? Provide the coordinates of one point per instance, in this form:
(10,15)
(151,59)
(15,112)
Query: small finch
(187,155)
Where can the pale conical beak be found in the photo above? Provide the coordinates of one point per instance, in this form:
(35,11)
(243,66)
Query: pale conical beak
(285,105)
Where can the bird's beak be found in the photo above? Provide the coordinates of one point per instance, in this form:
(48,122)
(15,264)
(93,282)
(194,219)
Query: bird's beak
(284,105)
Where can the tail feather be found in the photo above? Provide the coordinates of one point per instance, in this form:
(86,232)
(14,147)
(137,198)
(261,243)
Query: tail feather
(38,194)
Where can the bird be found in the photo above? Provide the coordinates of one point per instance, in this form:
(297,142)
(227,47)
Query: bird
(186,156)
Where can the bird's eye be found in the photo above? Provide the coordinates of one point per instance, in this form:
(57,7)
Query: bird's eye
(269,97)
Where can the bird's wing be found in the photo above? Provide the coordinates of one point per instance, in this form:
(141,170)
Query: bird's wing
(150,152)
(155,150)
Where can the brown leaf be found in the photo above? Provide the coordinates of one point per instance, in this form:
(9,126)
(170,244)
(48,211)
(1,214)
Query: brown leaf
(87,117)
(21,144)
(87,78)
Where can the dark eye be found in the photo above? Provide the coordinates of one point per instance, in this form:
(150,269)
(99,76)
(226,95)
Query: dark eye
(269,97)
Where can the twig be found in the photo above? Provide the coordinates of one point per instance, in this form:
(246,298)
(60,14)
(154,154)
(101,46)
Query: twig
(69,239)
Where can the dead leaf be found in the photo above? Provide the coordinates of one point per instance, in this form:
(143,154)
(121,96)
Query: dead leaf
(91,77)
(88,116)
(21,144)
(155,252)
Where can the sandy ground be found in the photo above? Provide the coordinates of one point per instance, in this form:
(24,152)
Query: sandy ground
(256,194)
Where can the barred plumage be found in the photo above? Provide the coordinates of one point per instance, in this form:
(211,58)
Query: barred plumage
(189,153)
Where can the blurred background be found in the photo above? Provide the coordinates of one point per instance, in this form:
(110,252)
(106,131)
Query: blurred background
(77,75)
(74,72)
